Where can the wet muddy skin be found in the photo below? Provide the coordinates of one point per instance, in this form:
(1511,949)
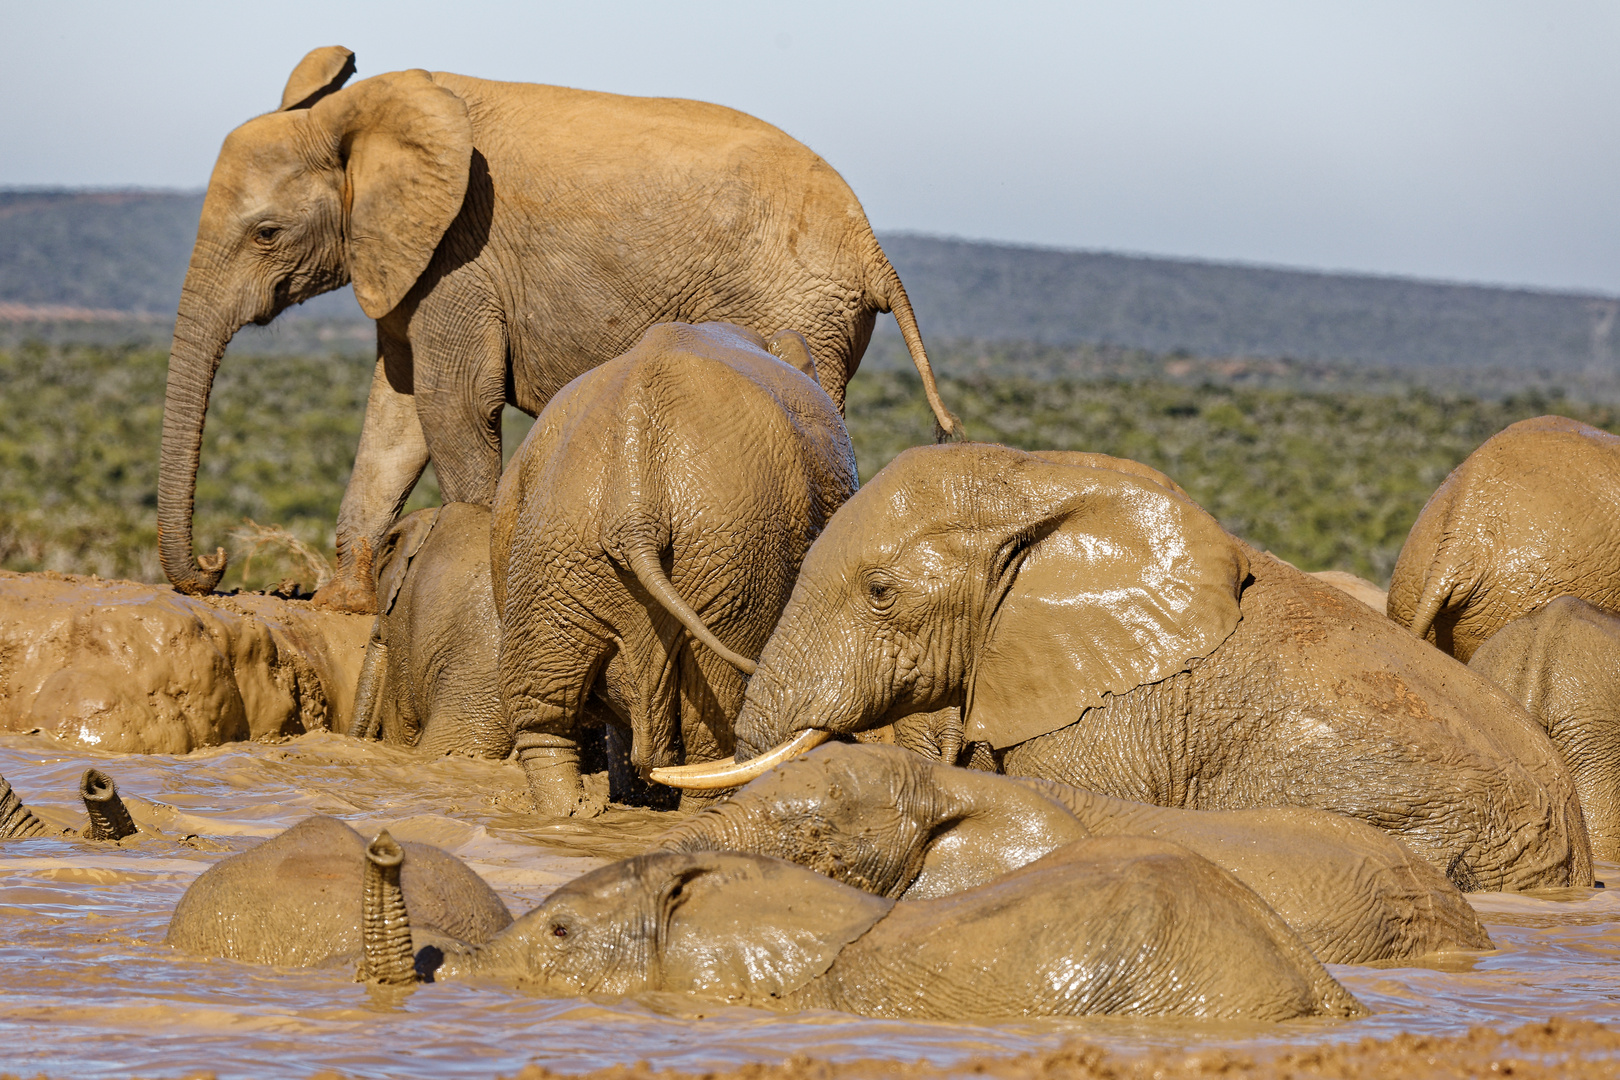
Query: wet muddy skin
(90,990)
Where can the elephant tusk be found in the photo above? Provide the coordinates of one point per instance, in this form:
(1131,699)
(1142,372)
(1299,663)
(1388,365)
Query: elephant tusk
(728,772)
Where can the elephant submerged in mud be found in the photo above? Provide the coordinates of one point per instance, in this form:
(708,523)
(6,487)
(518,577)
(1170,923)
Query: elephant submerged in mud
(506,237)
(1532,515)
(891,822)
(109,818)
(1096,628)
(645,538)
(1122,925)
(431,676)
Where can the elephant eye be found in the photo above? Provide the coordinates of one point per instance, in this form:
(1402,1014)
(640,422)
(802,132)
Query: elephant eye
(268,232)
(880,593)
(559,931)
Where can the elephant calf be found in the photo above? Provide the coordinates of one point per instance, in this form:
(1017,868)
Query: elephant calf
(670,492)
(296,900)
(431,676)
(891,822)
(1531,515)
(1563,665)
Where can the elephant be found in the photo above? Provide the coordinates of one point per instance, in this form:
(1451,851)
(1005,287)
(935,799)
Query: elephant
(891,822)
(1125,925)
(108,817)
(1096,628)
(1560,663)
(506,237)
(1531,515)
(431,677)
(297,900)
(672,491)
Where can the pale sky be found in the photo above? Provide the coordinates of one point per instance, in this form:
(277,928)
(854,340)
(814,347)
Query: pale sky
(1470,140)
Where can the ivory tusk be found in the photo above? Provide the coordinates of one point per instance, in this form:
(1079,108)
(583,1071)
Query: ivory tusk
(728,772)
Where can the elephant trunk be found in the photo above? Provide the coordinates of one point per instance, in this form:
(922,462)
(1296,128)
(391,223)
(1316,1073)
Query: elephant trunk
(387,955)
(199,343)
(17,822)
(368,691)
(109,817)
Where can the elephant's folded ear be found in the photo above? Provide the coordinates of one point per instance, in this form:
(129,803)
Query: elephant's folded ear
(405,144)
(320,72)
(1126,584)
(399,547)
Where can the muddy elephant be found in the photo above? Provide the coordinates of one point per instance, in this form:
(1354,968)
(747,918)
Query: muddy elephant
(1098,629)
(889,821)
(662,500)
(1109,925)
(299,899)
(1531,515)
(431,675)
(1563,665)
(506,237)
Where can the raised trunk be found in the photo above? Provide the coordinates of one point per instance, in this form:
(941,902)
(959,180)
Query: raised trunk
(200,337)
(109,817)
(387,955)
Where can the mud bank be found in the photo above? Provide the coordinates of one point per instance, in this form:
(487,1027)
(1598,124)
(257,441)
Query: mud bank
(118,665)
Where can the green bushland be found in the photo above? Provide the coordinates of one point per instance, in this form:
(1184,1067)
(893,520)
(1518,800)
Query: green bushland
(1327,480)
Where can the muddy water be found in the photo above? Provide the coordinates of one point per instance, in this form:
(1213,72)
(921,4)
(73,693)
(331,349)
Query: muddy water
(87,988)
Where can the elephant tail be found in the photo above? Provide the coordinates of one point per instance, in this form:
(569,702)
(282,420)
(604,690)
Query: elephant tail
(17,822)
(891,297)
(387,955)
(1438,590)
(641,555)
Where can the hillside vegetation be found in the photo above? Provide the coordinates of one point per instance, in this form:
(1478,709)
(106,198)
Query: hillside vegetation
(1326,480)
(127,251)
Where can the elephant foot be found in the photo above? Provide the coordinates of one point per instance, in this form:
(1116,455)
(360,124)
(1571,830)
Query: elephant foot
(348,592)
(554,783)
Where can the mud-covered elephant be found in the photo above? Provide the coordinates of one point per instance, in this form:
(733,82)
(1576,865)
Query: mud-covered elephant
(506,237)
(892,822)
(1098,629)
(1563,665)
(300,898)
(431,676)
(1532,515)
(1124,925)
(662,500)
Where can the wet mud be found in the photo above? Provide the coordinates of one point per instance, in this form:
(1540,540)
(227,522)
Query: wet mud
(89,990)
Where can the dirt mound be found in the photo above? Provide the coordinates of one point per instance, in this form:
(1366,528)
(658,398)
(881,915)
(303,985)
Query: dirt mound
(135,668)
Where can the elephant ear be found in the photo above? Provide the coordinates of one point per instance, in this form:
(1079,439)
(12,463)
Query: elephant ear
(399,547)
(319,73)
(790,347)
(1121,583)
(750,924)
(405,144)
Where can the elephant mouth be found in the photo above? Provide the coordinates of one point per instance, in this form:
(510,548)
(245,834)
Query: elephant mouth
(728,772)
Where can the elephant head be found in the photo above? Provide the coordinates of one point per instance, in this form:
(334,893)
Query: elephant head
(1021,588)
(679,921)
(337,185)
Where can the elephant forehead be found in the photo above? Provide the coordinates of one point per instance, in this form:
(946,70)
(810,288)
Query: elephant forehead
(259,160)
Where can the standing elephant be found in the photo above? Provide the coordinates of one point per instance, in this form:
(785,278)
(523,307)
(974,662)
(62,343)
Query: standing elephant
(889,821)
(506,237)
(1532,515)
(1563,665)
(431,674)
(1098,629)
(671,491)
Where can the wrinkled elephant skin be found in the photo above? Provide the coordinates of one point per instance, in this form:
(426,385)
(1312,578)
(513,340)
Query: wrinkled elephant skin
(295,900)
(506,237)
(995,580)
(1532,515)
(645,538)
(132,668)
(891,822)
(1563,665)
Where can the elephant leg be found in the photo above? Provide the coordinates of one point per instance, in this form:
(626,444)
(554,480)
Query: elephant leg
(545,680)
(460,392)
(387,464)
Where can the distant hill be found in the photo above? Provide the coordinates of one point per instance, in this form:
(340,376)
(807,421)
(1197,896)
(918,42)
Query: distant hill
(112,253)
